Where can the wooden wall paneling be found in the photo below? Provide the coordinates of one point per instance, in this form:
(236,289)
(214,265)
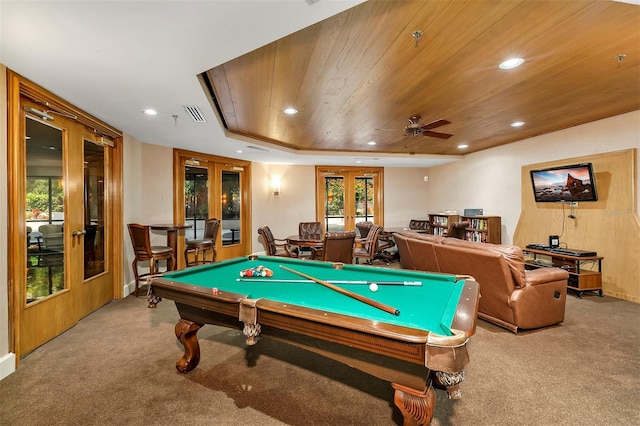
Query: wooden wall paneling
(609,226)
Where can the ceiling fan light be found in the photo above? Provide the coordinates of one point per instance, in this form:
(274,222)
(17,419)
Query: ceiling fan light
(511,63)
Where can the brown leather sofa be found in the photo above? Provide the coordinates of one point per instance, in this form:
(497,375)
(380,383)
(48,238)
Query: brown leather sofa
(511,297)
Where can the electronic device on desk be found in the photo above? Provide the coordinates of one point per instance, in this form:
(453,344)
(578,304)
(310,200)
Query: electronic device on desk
(538,246)
(573,252)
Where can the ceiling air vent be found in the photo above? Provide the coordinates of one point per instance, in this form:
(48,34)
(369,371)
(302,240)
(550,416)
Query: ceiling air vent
(259,148)
(195,113)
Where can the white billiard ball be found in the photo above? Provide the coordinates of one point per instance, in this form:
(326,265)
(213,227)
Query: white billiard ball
(373,287)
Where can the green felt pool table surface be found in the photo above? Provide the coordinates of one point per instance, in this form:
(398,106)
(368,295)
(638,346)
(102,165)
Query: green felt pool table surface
(430,306)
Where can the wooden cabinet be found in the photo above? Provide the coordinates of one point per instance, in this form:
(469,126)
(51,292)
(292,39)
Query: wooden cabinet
(585,272)
(483,229)
(439,222)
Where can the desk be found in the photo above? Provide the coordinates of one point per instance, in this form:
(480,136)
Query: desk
(424,345)
(172,235)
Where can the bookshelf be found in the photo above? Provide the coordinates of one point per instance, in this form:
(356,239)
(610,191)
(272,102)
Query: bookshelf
(483,229)
(439,222)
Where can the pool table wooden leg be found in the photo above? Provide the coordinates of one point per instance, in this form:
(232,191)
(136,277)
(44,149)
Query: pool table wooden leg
(186,332)
(416,406)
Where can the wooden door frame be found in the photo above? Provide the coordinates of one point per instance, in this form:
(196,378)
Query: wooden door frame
(180,157)
(349,172)
(18,86)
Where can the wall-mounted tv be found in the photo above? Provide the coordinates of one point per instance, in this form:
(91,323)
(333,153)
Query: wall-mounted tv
(573,182)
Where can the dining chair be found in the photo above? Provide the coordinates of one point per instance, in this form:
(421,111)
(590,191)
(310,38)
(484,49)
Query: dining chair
(367,248)
(309,231)
(274,246)
(144,252)
(336,247)
(200,247)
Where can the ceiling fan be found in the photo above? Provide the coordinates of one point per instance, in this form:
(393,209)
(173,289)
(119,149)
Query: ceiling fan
(415,128)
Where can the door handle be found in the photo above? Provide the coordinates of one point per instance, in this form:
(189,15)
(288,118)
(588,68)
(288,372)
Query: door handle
(78,233)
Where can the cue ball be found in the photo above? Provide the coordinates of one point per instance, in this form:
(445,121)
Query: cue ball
(373,287)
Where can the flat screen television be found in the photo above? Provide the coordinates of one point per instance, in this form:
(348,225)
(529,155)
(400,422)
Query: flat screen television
(569,183)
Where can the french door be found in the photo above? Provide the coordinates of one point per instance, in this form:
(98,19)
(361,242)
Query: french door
(348,195)
(207,186)
(62,216)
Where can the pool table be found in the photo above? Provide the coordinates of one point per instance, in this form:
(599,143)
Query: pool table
(418,344)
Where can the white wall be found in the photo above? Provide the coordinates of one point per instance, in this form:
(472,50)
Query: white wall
(490,179)
(295,203)
(148,193)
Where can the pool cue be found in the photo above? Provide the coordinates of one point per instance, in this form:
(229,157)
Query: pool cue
(275,280)
(356,296)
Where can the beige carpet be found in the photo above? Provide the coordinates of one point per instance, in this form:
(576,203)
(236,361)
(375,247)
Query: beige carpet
(117,366)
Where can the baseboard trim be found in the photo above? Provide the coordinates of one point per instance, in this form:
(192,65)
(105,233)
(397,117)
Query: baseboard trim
(7,365)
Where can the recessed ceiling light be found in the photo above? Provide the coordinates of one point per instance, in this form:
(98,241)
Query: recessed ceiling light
(239,151)
(371,143)
(290,111)
(358,162)
(511,63)
(150,112)
(517,124)
(463,146)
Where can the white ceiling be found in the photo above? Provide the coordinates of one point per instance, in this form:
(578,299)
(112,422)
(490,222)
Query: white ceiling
(116,58)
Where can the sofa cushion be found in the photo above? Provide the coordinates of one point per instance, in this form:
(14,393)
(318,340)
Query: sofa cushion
(512,254)
(422,236)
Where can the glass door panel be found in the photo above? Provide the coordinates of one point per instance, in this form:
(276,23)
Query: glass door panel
(196,195)
(231,224)
(364,199)
(44,211)
(94,208)
(334,216)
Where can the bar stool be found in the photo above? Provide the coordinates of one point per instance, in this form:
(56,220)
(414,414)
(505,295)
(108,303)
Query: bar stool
(145,252)
(200,247)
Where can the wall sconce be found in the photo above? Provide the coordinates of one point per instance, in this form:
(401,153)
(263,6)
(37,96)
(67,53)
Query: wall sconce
(275,185)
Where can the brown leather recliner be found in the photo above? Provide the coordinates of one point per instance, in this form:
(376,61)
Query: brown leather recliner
(511,296)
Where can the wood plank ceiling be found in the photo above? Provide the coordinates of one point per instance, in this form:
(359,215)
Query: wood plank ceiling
(358,76)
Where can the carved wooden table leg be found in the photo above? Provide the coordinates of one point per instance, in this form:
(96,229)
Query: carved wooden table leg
(416,406)
(450,382)
(186,332)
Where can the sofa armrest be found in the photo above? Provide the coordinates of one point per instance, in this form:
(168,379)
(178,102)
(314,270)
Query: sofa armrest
(545,275)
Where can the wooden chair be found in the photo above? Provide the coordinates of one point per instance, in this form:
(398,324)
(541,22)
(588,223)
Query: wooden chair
(202,246)
(457,230)
(144,252)
(337,247)
(274,246)
(367,248)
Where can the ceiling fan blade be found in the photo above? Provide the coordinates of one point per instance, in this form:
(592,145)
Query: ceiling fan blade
(434,124)
(437,134)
